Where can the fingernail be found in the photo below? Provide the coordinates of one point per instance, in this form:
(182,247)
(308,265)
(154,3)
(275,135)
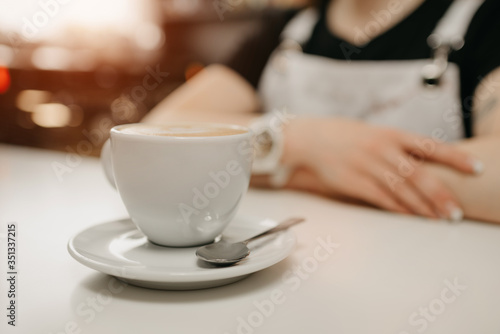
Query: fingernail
(455,214)
(477,166)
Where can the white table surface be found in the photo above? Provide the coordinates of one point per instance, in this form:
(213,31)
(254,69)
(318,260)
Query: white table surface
(387,269)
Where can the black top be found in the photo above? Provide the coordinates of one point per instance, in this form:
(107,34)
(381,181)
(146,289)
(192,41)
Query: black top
(408,40)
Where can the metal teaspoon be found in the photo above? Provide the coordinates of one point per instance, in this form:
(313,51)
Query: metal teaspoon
(225,253)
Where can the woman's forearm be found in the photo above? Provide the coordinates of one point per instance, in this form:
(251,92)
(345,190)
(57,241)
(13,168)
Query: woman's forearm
(479,195)
(217,94)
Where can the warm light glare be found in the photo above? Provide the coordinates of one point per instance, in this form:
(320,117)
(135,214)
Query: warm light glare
(149,36)
(27,100)
(37,20)
(4,79)
(51,58)
(99,14)
(51,115)
(6,55)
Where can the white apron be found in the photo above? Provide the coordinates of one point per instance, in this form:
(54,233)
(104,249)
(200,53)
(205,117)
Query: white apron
(388,93)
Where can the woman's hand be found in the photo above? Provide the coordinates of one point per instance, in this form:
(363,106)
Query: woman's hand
(380,166)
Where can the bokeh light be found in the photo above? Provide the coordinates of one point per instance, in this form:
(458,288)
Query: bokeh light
(6,55)
(51,115)
(4,79)
(149,36)
(51,58)
(28,99)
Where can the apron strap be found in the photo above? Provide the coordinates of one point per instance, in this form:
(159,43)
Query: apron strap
(452,27)
(300,28)
(448,37)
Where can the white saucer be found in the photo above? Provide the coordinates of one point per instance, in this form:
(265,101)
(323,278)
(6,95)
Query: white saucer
(117,248)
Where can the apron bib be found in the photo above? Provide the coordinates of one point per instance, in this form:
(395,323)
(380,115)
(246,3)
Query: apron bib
(386,93)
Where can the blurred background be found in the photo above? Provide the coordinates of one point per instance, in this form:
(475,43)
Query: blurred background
(72,69)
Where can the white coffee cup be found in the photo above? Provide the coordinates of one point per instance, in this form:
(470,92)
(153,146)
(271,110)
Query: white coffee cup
(181,183)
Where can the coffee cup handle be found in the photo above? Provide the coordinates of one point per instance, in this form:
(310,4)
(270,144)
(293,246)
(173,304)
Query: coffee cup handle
(106,162)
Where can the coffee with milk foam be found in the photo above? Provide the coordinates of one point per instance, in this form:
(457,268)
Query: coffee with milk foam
(176,130)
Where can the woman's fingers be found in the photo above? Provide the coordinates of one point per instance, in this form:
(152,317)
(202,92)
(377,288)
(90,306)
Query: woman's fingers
(424,148)
(361,188)
(365,189)
(411,198)
(380,166)
(398,188)
(432,191)
(437,194)
(364,185)
(453,157)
